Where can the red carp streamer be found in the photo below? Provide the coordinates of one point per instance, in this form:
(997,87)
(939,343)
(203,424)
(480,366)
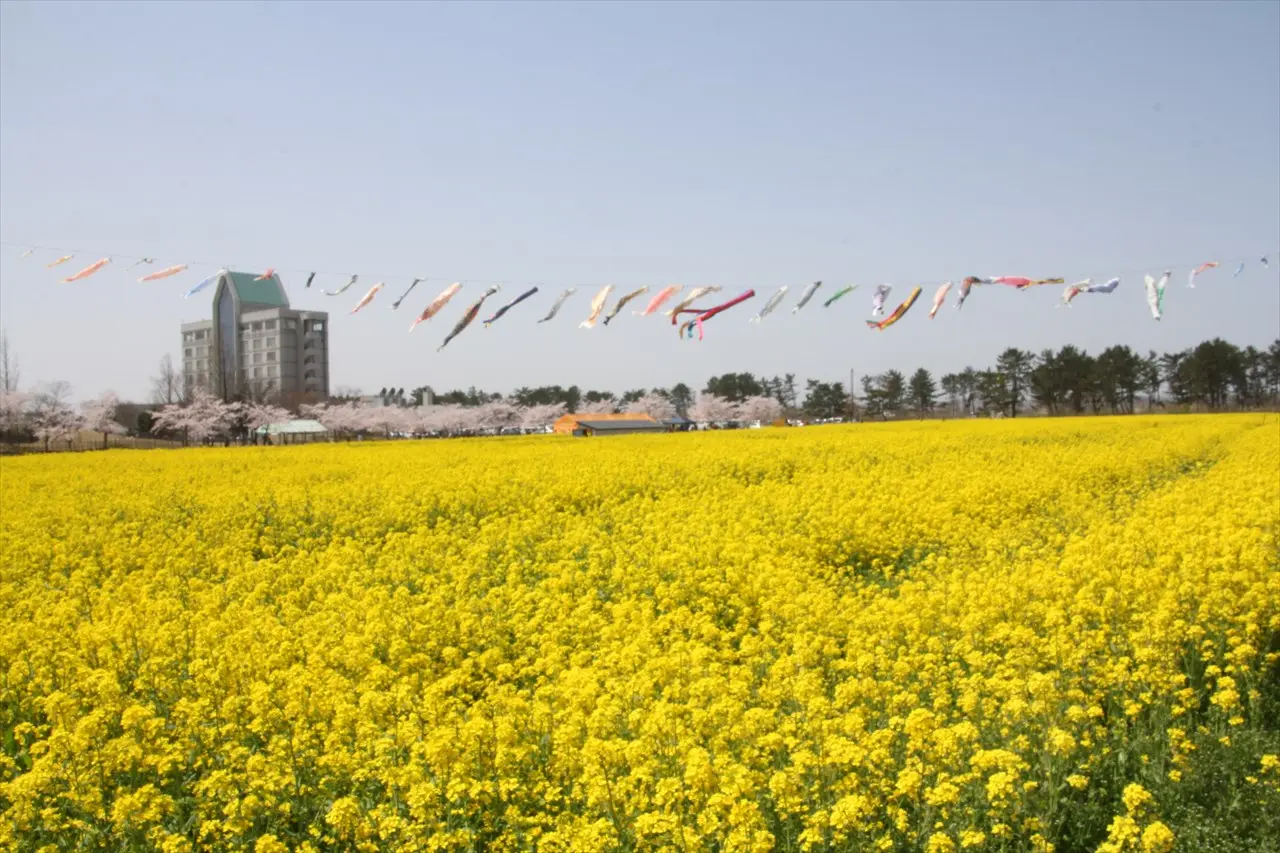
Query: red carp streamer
(703,316)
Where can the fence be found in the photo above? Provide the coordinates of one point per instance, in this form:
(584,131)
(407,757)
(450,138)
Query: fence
(83,444)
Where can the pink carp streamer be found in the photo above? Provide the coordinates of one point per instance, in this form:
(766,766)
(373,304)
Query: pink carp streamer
(939,297)
(87,271)
(368,297)
(271,271)
(703,316)
(656,302)
(597,307)
(164,273)
(61,260)
(436,304)
(1191,279)
(897,312)
(1023,283)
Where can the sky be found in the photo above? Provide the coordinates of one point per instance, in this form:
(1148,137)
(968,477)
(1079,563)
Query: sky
(748,145)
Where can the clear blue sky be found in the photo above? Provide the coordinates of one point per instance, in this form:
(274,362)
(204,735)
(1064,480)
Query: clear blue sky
(750,145)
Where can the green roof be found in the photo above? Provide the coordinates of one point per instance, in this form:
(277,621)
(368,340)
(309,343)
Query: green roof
(267,292)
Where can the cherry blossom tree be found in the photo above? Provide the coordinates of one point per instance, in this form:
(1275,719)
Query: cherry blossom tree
(762,409)
(254,416)
(497,415)
(654,405)
(14,413)
(203,417)
(541,415)
(99,415)
(598,407)
(52,418)
(709,408)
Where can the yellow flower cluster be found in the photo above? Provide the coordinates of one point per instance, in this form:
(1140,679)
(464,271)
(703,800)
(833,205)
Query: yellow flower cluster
(932,636)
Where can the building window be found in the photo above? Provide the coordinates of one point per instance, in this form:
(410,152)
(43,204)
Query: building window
(271,343)
(186,353)
(271,356)
(257,358)
(257,327)
(317,326)
(291,324)
(271,370)
(270,324)
(191,379)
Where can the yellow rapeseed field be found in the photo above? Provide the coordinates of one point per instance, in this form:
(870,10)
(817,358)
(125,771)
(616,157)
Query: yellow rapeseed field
(1042,635)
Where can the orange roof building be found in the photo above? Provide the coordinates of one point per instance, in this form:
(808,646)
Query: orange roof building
(572,424)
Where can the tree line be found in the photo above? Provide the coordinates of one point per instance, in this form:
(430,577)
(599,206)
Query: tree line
(1214,375)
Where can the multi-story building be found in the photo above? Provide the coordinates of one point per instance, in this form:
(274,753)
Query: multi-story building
(255,345)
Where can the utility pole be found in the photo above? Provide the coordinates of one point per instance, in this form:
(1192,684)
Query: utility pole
(853,406)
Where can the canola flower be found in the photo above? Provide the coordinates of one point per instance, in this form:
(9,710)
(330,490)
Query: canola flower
(934,636)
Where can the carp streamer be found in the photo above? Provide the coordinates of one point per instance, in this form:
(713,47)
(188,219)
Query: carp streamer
(1155,294)
(61,260)
(806,296)
(395,304)
(436,304)
(694,295)
(342,289)
(203,284)
(513,303)
(897,312)
(141,261)
(266,275)
(877,299)
(164,273)
(368,297)
(1191,279)
(703,316)
(468,317)
(939,297)
(1087,286)
(656,302)
(555,309)
(842,292)
(87,271)
(597,306)
(623,301)
(1023,283)
(1239,269)
(771,304)
(966,285)
(310,279)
